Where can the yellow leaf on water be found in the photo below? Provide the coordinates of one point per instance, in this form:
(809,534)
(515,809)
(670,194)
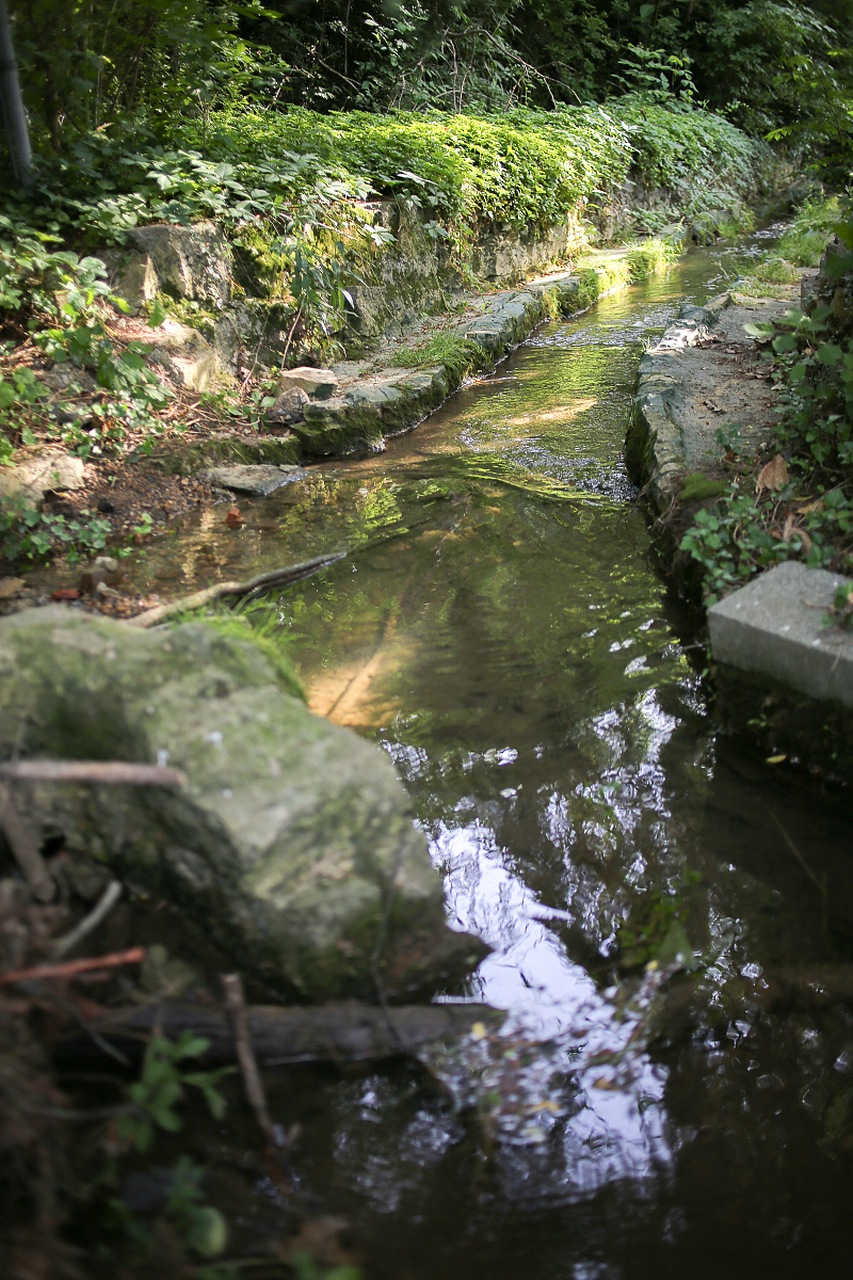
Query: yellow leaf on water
(775,759)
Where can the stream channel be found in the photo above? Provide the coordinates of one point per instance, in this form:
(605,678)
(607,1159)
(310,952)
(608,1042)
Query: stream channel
(498,626)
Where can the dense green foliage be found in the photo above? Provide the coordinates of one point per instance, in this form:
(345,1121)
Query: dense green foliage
(383,53)
(111,64)
(524,168)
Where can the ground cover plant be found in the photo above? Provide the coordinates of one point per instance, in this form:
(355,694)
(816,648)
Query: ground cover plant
(799,503)
(523,168)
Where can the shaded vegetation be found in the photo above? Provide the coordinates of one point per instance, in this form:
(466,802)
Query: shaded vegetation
(803,507)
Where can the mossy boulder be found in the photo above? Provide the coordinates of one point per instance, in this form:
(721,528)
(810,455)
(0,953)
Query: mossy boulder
(292,840)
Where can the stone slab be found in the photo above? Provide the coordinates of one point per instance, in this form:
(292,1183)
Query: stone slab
(772,627)
(260,479)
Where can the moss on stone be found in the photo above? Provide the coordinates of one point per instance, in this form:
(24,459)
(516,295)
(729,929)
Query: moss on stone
(328,429)
(698,487)
(267,636)
(250,451)
(639,446)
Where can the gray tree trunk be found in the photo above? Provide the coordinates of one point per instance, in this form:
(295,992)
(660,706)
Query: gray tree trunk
(12,106)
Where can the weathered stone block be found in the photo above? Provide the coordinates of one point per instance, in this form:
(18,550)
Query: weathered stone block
(289,406)
(258,479)
(773,627)
(51,472)
(187,357)
(190,262)
(318,384)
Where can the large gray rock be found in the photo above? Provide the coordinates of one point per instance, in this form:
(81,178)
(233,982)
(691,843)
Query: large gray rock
(53,471)
(189,262)
(292,840)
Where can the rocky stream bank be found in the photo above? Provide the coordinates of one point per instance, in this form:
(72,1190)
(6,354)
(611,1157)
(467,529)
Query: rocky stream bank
(291,837)
(272,841)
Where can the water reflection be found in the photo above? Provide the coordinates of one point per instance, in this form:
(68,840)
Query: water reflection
(516,656)
(498,628)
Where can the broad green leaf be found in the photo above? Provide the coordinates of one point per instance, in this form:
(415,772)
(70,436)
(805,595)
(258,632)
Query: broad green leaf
(158,314)
(783,343)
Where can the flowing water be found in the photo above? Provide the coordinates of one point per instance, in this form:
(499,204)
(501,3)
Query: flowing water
(671,921)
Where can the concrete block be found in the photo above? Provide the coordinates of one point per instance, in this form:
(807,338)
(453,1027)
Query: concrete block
(772,627)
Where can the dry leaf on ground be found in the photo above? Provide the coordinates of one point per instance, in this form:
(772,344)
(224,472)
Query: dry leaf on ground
(774,476)
(791,528)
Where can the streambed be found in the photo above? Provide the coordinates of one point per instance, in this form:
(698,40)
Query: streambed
(498,626)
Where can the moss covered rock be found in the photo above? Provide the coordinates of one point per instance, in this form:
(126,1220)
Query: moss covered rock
(292,840)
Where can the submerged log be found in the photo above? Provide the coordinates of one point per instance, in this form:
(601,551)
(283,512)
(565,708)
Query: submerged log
(263,582)
(343,1032)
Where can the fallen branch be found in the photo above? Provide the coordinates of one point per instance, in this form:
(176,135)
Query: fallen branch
(68,968)
(275,578)
(25,849)
(108,772)
(61,946)
(333,1032)
(235,1004)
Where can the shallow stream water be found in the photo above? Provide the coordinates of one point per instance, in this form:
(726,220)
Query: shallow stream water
(498,626)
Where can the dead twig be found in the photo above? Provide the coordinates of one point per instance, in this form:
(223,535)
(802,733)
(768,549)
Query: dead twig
(68,968)
(108,772)
(102,908)
(236,1007)
(276,578)
(25,849)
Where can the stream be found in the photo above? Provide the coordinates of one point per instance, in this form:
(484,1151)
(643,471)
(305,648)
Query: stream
(671,920)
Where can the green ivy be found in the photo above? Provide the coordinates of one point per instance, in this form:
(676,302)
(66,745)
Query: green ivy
(26,533)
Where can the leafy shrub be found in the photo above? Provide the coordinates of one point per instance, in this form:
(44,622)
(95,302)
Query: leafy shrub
(33,535)
(523,168)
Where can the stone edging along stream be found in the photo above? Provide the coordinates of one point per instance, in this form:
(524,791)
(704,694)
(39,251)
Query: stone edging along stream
(777,669)
(373,403)
(391,400)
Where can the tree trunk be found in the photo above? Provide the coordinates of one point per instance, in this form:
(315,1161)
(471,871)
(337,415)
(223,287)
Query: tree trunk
(12,106)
